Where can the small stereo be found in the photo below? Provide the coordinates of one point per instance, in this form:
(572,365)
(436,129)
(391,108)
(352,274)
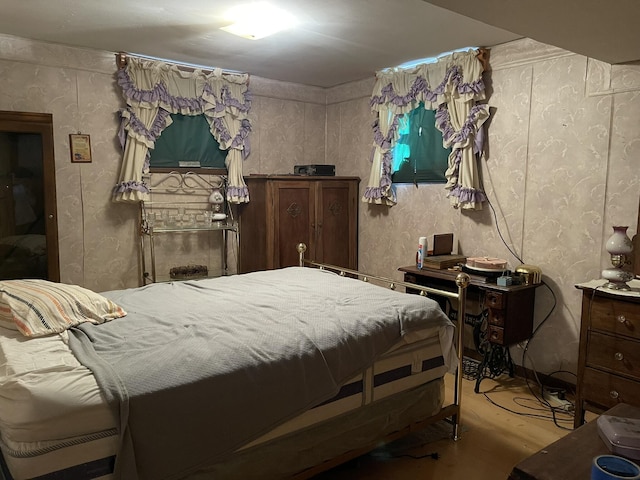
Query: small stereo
(325,170)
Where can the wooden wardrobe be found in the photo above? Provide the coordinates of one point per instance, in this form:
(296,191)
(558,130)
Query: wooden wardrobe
(285,210)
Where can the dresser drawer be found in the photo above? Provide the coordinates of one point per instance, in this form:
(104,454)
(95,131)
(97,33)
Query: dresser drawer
(617,354)
(607,390)
(615,316)
(494,299)
(496,317)
(496,335)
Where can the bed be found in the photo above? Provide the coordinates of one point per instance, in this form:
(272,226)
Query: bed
(183,380)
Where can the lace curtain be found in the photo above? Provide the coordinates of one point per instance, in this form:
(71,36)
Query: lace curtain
(452,86)
(153,90)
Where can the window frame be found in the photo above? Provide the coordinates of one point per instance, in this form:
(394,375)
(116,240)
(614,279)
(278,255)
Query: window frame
(425,174)
(215,170)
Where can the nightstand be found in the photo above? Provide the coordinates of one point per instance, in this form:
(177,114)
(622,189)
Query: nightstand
(508,311)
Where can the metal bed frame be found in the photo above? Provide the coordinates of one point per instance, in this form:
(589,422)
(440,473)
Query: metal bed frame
(451,411)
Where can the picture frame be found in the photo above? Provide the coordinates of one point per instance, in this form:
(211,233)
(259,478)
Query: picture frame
(80,147)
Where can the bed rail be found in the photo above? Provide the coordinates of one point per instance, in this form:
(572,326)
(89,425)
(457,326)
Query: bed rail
(452,411)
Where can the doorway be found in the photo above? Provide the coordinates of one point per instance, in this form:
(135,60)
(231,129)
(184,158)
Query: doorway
(28,218)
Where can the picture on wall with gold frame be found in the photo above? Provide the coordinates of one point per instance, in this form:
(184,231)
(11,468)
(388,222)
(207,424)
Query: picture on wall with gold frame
(80,146)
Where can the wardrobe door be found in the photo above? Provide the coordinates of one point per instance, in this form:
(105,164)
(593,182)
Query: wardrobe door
(336,241)
(28,219)
(294,221)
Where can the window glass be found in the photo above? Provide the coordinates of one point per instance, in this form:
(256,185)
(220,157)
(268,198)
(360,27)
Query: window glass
(419,156)
(187,139)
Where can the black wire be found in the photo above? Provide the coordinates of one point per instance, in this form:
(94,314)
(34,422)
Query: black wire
(550,416)
(434,455)
(533,334)
(553,410)
(495,218)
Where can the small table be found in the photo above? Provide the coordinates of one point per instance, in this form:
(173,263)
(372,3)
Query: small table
(506,317)
(570,457)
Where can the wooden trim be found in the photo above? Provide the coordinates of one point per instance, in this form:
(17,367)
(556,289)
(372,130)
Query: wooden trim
(41,123)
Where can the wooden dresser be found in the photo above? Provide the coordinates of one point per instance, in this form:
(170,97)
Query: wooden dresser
(609,359)
(285,210)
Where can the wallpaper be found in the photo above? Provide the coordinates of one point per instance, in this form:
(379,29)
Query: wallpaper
(560,169)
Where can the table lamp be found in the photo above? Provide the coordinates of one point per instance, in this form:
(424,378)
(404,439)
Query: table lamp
(619,247)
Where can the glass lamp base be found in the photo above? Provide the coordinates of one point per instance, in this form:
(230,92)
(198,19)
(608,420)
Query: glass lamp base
(617,279)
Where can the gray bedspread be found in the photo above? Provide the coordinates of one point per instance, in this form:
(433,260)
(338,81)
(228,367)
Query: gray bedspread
(200,368)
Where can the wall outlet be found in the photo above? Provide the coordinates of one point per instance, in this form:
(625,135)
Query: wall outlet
(555,401)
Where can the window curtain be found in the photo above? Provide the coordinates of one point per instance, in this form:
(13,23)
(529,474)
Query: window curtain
(453,87)
(153,91)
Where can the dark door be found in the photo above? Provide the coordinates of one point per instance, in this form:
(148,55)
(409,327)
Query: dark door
(28,219)
(336,235)
(295,221)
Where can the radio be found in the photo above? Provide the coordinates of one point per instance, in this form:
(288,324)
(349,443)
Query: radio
(323,170)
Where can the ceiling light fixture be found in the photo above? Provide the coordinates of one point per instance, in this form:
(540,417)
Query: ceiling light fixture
(258,20)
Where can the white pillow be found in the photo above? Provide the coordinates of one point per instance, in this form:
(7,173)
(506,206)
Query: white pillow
(40,307)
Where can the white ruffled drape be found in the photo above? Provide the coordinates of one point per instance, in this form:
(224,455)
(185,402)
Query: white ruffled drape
(452,86)
(153,90)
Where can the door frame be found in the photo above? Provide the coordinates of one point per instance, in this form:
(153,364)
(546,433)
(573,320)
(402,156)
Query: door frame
(41,123)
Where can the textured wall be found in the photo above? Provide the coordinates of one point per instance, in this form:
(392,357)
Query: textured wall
(98,241)
(561,168)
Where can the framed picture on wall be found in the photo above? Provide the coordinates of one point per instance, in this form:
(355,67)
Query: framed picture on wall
(80,146)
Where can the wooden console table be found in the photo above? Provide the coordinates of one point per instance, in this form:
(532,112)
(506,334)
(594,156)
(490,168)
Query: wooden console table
(570,457)
(508,311)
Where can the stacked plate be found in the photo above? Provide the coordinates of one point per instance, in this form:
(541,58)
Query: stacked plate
(485,266)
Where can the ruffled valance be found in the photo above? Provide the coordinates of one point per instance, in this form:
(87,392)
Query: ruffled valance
(153,91)
(452,86)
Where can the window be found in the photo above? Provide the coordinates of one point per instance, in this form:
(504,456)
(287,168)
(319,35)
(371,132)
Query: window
(419,156)
(187,142)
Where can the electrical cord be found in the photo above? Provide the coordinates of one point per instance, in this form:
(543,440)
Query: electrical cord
(552,415)
(434,455)
(554,411)
(495,218)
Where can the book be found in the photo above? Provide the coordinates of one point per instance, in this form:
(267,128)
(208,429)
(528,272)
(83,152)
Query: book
(440,262)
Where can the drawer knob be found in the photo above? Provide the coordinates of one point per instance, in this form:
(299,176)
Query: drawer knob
(614,394)
(621,319)
(619,356)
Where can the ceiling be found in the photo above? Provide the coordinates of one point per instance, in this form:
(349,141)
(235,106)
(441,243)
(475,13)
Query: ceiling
(337,41)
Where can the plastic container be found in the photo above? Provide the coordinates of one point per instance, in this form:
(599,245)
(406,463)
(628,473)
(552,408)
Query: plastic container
(422,251)
(621,434)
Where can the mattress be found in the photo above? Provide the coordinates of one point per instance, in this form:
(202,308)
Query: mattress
(53,416)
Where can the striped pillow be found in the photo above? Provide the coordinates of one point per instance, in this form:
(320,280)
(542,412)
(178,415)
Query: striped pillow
(40,307)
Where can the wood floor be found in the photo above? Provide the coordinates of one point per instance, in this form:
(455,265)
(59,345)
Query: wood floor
(492,442)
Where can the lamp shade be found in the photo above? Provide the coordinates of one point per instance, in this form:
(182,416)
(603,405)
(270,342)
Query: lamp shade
(619,243)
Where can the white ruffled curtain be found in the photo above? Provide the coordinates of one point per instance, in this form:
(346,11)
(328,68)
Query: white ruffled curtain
(452,86)
(153,90)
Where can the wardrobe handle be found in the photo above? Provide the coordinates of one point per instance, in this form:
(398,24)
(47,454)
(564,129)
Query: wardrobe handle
(614,394)
(619,356)
(621,319)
